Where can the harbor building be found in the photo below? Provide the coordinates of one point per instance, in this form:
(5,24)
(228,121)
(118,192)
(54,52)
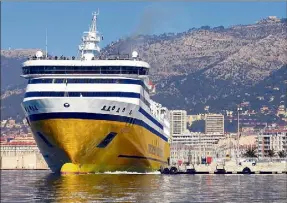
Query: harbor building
(192,146)
(3,123)
(178,122)
(272,140)
(214,123)
(281,110)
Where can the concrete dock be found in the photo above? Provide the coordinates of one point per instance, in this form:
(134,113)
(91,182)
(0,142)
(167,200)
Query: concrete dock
(22,157)
(230,167)
(29,158)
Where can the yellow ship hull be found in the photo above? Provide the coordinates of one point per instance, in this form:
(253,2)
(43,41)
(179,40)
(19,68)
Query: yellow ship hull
(88,146)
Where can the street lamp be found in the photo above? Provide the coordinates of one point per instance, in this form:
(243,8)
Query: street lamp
(238,131)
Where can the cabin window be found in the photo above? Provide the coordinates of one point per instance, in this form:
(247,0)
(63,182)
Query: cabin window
(131,70)
(87,81)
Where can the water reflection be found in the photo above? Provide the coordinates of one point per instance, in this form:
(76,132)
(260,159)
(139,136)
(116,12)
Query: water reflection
(39,186)
(101,187)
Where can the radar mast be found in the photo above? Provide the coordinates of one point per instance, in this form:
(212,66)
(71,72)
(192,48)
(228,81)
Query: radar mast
(89,47)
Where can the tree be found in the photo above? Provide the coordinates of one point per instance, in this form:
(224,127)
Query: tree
(250,153)
(221,27)
(282,154)
(206,27)
(271,153)
(197,126)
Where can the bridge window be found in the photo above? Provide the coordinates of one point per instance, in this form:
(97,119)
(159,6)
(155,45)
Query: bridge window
(131,70)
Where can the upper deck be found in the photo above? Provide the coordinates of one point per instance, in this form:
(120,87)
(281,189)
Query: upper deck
(65,66)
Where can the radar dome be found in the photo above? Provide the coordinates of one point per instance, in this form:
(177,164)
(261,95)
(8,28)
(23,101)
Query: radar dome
(39,54)
(135,54)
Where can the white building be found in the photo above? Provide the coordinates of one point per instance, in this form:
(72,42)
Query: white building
(214,123)
(3,122)
(191,146)
(272,140)
(182,153)
(178,122)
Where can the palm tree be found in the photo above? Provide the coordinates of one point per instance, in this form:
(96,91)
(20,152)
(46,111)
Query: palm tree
(271,153)
(250,153)
(282,154)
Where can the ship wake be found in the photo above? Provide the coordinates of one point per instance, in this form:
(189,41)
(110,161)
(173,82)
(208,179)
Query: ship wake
(129,173)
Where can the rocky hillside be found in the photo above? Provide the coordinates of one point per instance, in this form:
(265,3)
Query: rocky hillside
(199,67)
(243,54)
(11,61)
(194,92)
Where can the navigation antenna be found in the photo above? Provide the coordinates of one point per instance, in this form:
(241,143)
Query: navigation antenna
(46,44)
(89,47)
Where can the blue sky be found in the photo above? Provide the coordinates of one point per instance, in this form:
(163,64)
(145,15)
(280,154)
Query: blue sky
(23,24)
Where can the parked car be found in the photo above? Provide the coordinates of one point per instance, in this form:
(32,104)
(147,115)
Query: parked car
(247,162)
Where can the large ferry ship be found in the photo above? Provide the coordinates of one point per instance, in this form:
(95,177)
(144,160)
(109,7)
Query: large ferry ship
(94,113)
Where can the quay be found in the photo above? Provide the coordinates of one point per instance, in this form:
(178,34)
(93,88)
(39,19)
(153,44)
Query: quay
(28,157)
(21,157)
(230,167)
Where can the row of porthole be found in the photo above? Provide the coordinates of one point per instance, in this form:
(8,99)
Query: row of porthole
(31,108)
(113,108)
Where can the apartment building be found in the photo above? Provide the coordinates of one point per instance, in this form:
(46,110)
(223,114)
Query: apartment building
(178,122)
(214,123)
(272,140)
(191,146)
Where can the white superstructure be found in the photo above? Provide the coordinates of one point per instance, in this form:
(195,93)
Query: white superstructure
(89,47)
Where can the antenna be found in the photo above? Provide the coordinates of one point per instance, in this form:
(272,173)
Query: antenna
(89,46)
(46,44)
(131,47)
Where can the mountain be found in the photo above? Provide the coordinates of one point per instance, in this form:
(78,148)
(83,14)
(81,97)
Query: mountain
(11,61)
(243,54)
(194,91)
(216,67)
